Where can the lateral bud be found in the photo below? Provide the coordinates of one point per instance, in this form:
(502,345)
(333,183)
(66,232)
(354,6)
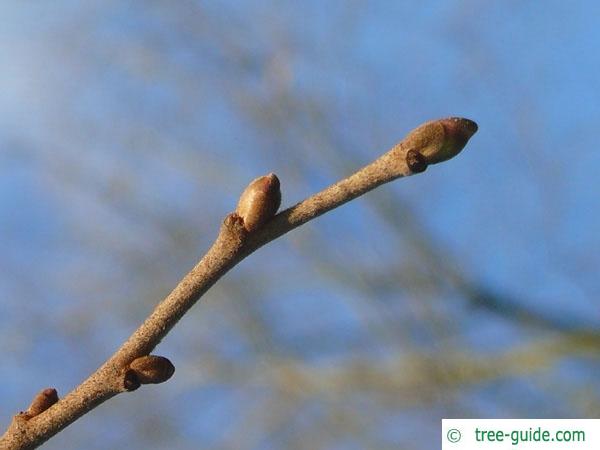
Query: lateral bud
(130,380)
(416,162)
(41,402)
(259,202)
(150,369)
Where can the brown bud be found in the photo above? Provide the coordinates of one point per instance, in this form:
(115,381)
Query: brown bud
(41,402)
(130,380)
(415,161)
(440,140)
(260,201)
(150,369)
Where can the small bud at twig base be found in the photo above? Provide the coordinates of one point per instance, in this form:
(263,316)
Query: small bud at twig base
(415,161)
(130,380)
(41,402)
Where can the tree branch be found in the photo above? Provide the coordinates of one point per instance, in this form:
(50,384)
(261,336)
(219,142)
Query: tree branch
(430,143)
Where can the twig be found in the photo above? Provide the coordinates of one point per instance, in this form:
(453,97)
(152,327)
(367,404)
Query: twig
(242,232)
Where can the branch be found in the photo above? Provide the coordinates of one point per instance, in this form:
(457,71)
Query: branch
(242,232)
